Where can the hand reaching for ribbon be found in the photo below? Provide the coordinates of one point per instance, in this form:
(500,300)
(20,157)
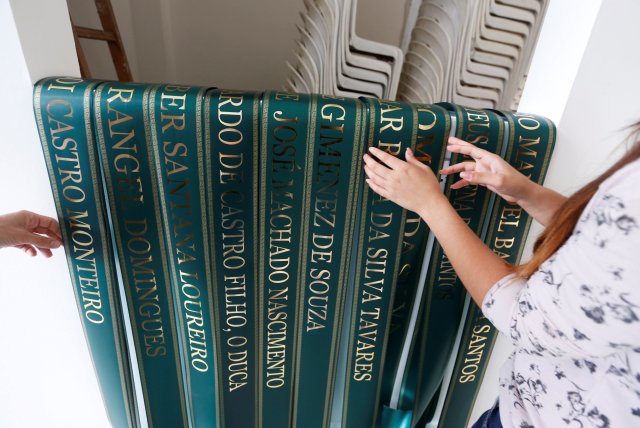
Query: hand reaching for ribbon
(410,184)
(487,169)
(29,231)
(414,186)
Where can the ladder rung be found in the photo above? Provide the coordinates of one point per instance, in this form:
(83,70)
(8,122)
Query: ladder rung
(108,33)
(90,33)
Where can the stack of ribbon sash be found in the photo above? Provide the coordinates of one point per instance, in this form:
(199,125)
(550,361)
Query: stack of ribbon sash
(264,283)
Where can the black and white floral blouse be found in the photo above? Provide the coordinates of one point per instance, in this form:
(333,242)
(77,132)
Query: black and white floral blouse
(576,322)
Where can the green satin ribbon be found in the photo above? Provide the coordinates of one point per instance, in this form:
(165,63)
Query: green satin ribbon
(442,306)
(287,122)
(531,140)
(135,217)
(231,135)
(175,115)
(433,127)
(332,168)
(63,110)
(396,418)
(377,267)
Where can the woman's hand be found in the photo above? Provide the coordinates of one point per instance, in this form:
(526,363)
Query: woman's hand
(27,231)
(415,187)
(410,184)
(490,170)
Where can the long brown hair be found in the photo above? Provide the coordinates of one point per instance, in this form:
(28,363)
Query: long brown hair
(558,231)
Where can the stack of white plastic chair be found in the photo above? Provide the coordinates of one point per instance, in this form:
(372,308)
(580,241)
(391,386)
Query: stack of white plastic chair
(470,52)
(331,59)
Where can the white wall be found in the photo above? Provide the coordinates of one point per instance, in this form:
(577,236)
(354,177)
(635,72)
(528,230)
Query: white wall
(46,376)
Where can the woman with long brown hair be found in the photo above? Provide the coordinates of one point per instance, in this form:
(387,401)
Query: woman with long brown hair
(572,312)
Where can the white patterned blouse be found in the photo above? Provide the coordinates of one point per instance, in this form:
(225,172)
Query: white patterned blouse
(576,322)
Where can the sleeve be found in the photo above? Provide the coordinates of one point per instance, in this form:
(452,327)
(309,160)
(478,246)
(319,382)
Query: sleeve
(585,300)
(501,300)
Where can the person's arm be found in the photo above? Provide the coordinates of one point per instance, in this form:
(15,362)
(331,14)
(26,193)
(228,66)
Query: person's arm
(476,265)
(490,170)
(584,301)
(27,231)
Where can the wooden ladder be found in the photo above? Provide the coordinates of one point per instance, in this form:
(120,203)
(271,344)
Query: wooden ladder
(109,34)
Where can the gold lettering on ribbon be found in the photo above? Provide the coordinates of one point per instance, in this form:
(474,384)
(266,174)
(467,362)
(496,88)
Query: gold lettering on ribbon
(280,223)
(511,213)
(173,116)
(378,236)
(325,201)
(475,350)
(477,126)
(232,208)
(70,178)
(527,146)
(130,191)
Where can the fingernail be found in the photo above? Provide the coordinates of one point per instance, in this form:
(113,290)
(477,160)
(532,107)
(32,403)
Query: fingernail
(55,244)
(465,175)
